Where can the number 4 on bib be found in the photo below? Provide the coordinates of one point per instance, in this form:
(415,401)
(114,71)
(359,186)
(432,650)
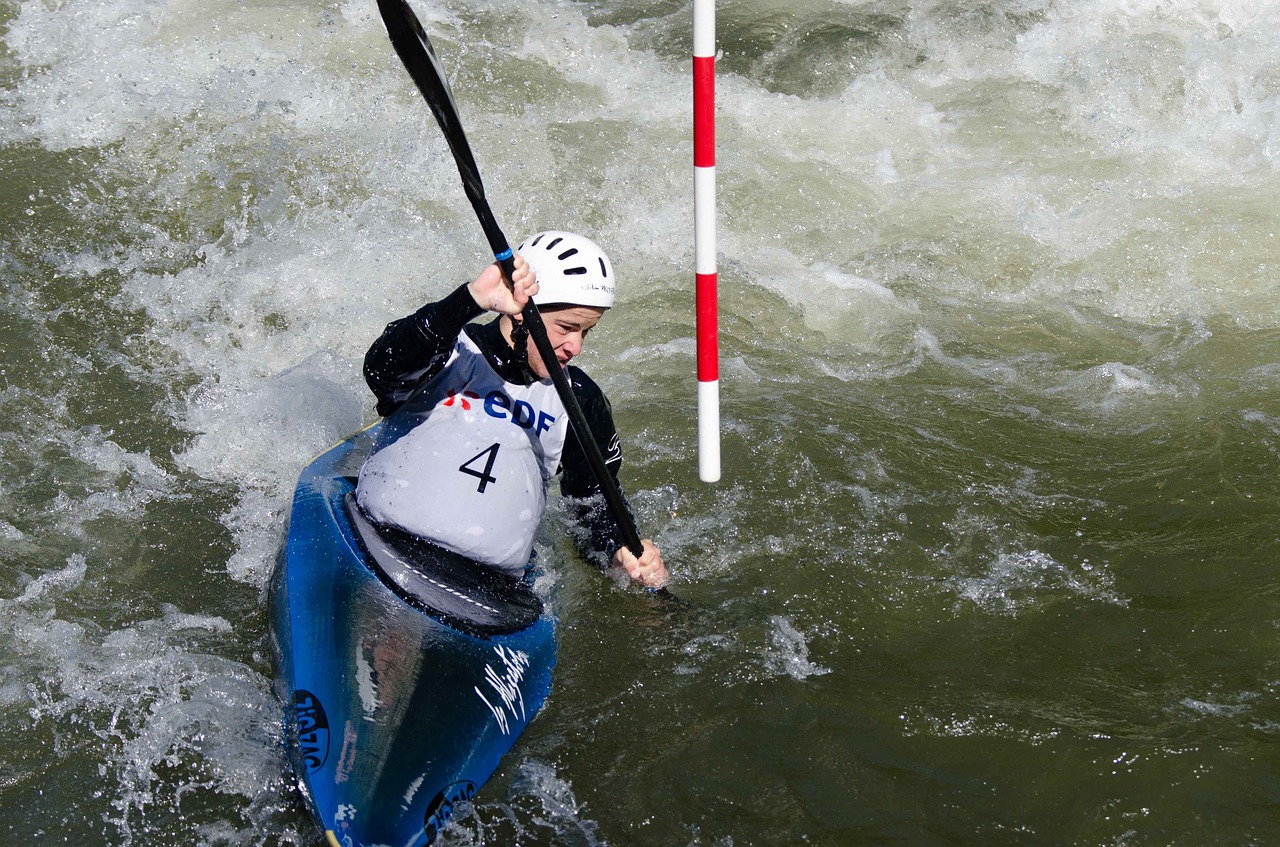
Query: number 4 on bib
(490,455)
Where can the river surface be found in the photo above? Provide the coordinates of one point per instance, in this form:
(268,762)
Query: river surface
(994,557)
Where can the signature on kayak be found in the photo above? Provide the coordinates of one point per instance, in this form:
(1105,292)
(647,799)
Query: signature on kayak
(506,685)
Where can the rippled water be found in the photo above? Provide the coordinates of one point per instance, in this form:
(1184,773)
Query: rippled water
(992,561)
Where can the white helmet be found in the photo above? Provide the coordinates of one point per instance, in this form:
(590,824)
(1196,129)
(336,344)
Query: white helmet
(571,269)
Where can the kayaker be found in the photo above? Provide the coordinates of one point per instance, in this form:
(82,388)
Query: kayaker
(475,429)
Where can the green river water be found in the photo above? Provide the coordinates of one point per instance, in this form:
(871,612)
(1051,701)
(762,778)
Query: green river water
(993,559)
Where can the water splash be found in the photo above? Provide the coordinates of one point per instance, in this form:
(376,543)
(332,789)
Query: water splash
(539,804)
(1030,579)
(790,653)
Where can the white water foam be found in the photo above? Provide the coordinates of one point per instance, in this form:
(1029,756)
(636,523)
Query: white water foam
(69,577)
(149,692)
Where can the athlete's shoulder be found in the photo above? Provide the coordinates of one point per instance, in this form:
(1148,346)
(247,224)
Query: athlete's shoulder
(583,385)
(473,336)
(593,402)
(579,378)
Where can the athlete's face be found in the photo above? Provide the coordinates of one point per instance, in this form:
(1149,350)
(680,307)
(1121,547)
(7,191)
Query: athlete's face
(567,328)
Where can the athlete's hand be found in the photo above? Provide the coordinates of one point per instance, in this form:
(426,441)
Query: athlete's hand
(648,570)
(490,291)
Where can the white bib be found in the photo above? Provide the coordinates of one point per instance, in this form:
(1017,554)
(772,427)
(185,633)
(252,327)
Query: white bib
(466,461)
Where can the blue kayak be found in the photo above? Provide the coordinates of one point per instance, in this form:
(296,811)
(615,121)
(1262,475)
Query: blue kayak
(408,671)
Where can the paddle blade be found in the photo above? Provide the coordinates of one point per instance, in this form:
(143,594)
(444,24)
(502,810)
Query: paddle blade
(419,57)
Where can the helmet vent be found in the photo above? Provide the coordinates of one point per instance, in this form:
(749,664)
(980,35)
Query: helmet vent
(571,269)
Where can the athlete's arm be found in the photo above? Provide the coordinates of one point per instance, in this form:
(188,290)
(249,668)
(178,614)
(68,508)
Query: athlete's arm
(415,348)
(601,538)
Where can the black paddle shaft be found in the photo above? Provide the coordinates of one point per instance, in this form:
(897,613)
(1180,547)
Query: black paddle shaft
(419,57)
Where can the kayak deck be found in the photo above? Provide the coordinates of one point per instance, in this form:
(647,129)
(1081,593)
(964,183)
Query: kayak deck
(444,584)
(408,673)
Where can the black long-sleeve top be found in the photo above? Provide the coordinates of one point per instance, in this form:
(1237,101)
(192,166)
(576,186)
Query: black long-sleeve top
(415,348)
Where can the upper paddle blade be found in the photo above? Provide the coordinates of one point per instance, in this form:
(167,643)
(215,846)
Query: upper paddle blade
(419,57)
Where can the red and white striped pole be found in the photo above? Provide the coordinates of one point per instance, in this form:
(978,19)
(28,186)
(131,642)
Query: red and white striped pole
(704,237)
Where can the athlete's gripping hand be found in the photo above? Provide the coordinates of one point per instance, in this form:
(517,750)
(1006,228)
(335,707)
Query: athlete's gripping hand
(648,570)
(490,291)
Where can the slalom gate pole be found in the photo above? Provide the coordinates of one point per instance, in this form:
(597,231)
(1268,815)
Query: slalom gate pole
(704,238)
